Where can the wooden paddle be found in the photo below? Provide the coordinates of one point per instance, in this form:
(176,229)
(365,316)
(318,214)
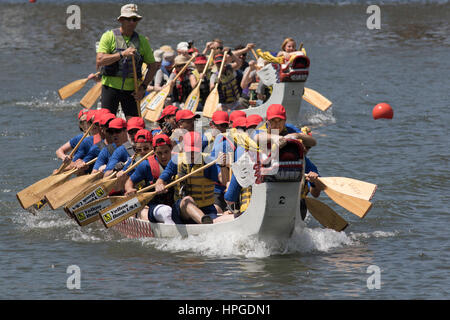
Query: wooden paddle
(193,99)
(316,99)
(355,205)
(35,193)
(125,208)
(136,85)
(212,101)
(73,87)
(97,191)
(352,187)
(156,105)
(325,215)
(92,96)
(145,101)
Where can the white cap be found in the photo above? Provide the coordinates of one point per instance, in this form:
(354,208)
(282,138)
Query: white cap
(183,46)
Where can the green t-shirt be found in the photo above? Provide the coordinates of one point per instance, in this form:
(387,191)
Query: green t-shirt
(108,45)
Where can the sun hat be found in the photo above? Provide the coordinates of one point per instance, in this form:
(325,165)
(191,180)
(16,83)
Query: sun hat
(183,46)
(220,117)
(169,56)
(158,54)
(180,60)
(129,11)
(276,111)
(166,48)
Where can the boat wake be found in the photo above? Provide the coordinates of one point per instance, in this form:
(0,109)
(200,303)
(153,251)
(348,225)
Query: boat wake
(49,100)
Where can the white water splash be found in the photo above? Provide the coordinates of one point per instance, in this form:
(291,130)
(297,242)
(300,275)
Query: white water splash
(49,100)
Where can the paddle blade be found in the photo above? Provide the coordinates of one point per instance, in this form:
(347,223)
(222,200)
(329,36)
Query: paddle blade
(146,100)
(156,105)
(64,193)
(211,103)
(352,187)
(72,88)
(92,96)
(193,99)
(35,193)
(357,206)
(325,215)
(90,212)
(316,99)
(124,209)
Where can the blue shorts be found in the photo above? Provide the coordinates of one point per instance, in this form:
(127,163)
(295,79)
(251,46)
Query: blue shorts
(176,213)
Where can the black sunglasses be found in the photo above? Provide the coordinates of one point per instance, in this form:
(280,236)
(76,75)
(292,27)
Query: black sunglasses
(220,48)
(134,19)
(113,131)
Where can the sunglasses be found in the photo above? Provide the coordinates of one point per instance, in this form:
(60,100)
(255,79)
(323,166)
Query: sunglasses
(134,19)
(113,131)
(220,48)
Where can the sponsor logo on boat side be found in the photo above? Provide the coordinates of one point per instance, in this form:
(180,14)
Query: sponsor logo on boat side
(94,195)
(121,210)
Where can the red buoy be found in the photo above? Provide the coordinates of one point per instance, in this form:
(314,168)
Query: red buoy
(382,110)
(32,1)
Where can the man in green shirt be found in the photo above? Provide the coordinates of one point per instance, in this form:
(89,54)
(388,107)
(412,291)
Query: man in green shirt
(114,56)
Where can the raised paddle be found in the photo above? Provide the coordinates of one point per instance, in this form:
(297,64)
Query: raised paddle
(155,106)
(92,95)
(352,187)
(355,205)
(125,208)
(325,215)
(193,99)
(99,190)
(145,101)
(136,86)
(35,193)
(212,101)
(73,87)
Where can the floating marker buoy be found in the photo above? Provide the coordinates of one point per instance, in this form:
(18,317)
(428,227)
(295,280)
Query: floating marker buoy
(382,110)
(32,1)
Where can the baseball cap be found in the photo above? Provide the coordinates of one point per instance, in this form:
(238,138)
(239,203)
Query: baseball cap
(220,117)
(276,111)
(192,141)
(82,114)
(104,118)
(240,122)
(253,120)
(161,139)
(200,60)
(237,114)
(185,114)
(90,115)
(135,123)
(117,123)
(143,135)
(168,111)
(183,46)
(218,58)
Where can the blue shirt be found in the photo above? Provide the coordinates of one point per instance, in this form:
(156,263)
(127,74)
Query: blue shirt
(172,169)
(119,155)
(102,158)
(83,149)
(74,141)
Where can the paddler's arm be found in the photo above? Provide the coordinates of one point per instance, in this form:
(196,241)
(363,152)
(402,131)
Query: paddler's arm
(166,176)
(62,151)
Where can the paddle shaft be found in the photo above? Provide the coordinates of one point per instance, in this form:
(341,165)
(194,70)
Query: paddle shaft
(136,87)
(196,91)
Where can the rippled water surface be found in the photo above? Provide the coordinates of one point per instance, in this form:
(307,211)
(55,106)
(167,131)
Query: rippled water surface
(406,63)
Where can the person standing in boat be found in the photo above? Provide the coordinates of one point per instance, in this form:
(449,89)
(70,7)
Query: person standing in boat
(159,209)
(194,198)
(114,56)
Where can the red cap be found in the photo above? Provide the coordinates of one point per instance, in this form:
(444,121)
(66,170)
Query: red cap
(117,123)
(82,112)
(240,122)
(237,114)
(103,111)
(168,111)
(253,120)
(218,58)
(135,123)
(160,140)
(192,141)
(90,115)
(104,118)
(143,135)
(220,117)
(200,60)
(276,111)
(185,114)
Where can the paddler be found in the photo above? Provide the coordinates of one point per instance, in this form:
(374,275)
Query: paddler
(159,209)
(114,55)
(194,199)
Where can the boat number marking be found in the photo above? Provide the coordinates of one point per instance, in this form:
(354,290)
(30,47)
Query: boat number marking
(282,200)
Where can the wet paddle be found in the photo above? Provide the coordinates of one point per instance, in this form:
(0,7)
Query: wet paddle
(325,215)
(97,191)
(136,86)
(92,96)
(73,87)
(212,101)
(316,99)
(124,209)
(155,106)
(352,187)
(35,193)
(194,97)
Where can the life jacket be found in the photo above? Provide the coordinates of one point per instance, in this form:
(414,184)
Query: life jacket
(155,167)
(182,88)
(129,147)
(204,86)
(96,138)
(201,189)
(244,198)
(228,87)
(124,67)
